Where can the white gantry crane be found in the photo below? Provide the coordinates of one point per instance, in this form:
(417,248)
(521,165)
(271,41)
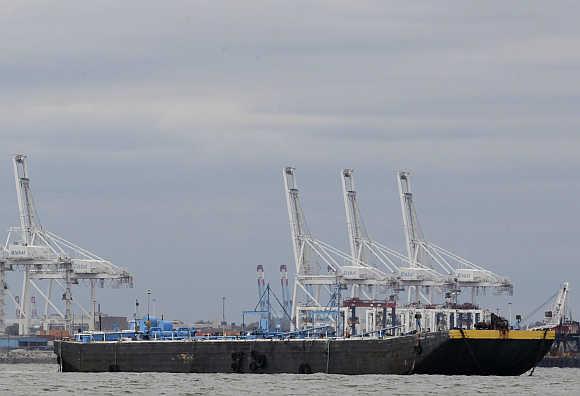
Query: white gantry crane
(44,256)
(319,266)
(368,252)
(421,252)
(372,266)
(554,317)
(315,267)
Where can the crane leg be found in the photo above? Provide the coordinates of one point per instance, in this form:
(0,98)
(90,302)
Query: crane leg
(24,323)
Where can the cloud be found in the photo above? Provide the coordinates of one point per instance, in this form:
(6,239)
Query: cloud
(157,132)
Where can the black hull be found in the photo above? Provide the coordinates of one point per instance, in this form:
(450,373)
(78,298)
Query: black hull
(469,352)
(501,355)
(349,356)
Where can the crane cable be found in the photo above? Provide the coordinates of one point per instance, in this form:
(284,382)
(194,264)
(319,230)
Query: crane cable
(529,315)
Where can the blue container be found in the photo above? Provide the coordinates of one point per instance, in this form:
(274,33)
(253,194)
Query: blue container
(182,332)
(112,336)
(155,332)
(99,337)
(166,325)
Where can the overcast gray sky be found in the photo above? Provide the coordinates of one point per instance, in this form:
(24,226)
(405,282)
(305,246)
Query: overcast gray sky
(157,132)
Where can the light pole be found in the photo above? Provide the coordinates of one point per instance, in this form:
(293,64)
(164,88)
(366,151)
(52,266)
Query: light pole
(224,311)
(148,292)
(509,314)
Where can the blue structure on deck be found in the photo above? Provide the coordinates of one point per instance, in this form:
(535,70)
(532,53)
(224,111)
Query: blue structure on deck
(142,329)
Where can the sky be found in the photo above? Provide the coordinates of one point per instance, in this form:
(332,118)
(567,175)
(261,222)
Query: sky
(157,133)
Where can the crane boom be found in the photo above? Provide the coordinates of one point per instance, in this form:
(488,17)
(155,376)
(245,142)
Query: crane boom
(26,210)
(411,227)
(558,309)
(298,227)
(356,232)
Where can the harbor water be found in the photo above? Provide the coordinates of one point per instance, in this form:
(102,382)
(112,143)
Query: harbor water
(39,379)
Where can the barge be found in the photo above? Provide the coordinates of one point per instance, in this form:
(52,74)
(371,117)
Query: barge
(456,352)
(388,355)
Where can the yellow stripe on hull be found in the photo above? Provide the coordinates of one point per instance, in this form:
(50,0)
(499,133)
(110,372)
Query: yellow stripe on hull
(503,335)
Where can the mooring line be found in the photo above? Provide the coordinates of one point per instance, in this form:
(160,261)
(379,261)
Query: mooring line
(539,353)
(469,350)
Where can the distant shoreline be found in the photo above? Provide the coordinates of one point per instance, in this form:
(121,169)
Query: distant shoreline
(22,356)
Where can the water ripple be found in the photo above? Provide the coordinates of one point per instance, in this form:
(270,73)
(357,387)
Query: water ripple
(39,379)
